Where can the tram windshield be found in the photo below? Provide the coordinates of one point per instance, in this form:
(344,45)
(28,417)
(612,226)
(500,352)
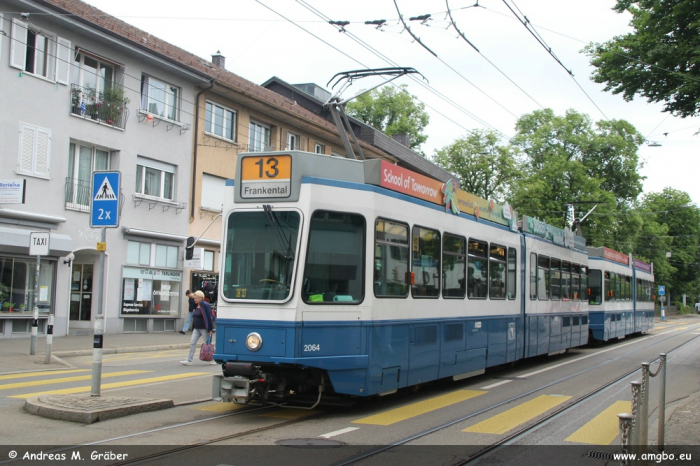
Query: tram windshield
(259,254)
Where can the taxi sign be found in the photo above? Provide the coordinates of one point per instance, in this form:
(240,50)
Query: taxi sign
(104,204)
(266,176)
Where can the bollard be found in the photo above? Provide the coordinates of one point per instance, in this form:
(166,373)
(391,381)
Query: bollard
(49,340)
(626,420)
(644,426)
(662,400)
(636,413)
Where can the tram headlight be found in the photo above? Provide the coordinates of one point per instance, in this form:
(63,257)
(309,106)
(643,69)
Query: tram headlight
(254,341)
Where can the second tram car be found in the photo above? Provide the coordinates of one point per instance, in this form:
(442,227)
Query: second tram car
(360,278)
(621,300)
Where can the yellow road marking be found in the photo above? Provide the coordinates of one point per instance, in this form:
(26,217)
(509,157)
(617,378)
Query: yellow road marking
(131,356)
(219,407)
(34,383)
(604,428)
(39,374)
(129,383)
(416,409)
(509,420)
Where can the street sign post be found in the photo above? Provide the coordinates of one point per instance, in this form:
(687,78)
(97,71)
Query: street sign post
(38,246)
(104,213)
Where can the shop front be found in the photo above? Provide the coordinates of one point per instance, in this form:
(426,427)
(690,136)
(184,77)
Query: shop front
(150,297)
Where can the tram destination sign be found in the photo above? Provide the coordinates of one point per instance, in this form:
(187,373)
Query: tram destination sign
(266,176)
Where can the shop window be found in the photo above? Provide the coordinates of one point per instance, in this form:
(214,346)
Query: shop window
(151,291)
(17,285)
(138,253)
(166,256)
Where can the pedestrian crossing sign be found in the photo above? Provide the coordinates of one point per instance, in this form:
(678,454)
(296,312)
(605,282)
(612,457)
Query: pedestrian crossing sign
(104,205)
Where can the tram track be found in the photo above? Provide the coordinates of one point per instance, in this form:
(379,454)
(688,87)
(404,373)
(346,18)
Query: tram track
(520,432)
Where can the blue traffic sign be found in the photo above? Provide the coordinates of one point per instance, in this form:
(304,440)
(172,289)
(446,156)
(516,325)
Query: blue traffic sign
(662,290)
(104,204)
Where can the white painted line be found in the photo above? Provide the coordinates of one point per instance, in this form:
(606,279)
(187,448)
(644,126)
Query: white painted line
(338,432)
(502,382)
(590,355)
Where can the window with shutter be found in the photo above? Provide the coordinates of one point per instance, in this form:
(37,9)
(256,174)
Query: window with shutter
(34,151)
(213,192)
(18,44)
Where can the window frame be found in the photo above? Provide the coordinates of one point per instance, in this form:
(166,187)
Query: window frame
(146,97)
(512,281)
(545,277)
(141,169)
(319,148)
(79,189)
(262,129)
(472,257)
(56,70)
(293,141)
(38,144)
(498,259)
(210,123)
(454,254)
(415,248)
(389,244)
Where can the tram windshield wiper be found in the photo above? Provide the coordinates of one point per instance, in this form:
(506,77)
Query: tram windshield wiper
(279,232)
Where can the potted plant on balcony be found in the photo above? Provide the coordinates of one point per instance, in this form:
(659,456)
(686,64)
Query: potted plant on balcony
(114,103)
(75,94)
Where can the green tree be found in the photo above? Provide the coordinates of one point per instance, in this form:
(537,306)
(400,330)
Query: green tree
(674,211)
(392,111)
(660,60)
(483,167)
(569,159)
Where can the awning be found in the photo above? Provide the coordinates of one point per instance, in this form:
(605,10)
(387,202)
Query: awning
(16,241)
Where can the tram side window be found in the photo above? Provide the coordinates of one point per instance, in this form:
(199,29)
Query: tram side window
(497,271)
(512,272)
(618,287)
(555,278)
(584,284)
(595,287)
(575,282)
(609,282)
(334,270)
(478,268)
(639,291)
(426,263)
(628,288)
(565,280)
(543,277)
(454,266)
(391,255)
(533,275)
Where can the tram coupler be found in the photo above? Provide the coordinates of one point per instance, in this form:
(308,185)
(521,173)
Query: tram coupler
(231,389)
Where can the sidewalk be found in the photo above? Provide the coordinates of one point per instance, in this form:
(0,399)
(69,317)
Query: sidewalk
(682,425)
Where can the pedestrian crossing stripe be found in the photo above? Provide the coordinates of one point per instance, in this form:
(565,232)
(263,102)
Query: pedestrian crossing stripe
(509,420)
(34,383)
(105,386)
(415,409)
(604,428)
(23,375)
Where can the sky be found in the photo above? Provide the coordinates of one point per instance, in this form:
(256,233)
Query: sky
(512,74)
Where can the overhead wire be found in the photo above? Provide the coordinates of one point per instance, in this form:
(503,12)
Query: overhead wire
(415,79)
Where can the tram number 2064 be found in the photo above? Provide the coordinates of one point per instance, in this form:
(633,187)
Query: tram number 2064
(314,347)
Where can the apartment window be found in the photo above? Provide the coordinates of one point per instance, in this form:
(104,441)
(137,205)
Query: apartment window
(220,121)
(213,192)
(91,72)
(259,137)
(34,150)
(82,161)
(155,178)
(166,256)
(319,148)
(292,141)
(39,52)
(160,98)
(138,253)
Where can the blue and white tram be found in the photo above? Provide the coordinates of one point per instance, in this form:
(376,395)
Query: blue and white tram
(361,278)
(620,301)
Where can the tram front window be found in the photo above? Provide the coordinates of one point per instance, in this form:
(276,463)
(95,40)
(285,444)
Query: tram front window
(259,255)
(333,272)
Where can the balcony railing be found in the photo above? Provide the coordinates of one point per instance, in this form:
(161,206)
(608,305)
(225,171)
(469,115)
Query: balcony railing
(78,194)
(103,107)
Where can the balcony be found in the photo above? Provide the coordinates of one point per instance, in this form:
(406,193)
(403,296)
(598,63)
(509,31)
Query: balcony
(78,194)
(107,107)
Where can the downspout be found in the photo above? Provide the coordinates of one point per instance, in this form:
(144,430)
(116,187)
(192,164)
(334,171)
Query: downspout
(196,142)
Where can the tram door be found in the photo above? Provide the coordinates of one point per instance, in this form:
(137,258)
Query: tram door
(424,353)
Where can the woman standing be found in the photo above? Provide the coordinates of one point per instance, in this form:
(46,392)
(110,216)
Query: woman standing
(202,324)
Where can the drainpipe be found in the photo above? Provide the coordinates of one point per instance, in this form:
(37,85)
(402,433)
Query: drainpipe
(196,138)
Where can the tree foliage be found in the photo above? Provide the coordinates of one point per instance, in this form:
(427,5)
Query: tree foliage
(660,60)
(392,111)
(567,159)
(484,168)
